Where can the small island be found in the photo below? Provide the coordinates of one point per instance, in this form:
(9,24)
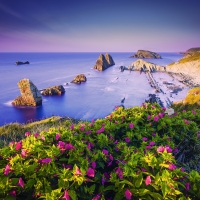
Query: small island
(146,54)
(21,63)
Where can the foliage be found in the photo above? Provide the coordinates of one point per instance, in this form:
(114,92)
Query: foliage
(131,154)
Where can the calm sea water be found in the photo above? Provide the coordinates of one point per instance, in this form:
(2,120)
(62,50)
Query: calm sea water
(94,99)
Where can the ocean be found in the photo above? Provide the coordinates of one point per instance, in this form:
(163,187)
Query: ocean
(93,99)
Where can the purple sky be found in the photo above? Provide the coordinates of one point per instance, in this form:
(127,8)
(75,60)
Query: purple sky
(99,26)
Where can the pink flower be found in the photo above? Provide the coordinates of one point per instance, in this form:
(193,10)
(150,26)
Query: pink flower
(90,172)
(36,135)
(151,143)
(13,193)
(148,180)
(72,127)
(198,134)
(97,197)
(186,121)
(43,138)
(78,171)
(149,117)
(21,182)
(160,149)
(27,134)
(45,160)
(187,186)
(57,136)
(119,172)
(128,194)
(172,166)
(194,112)
(7,170)
(101,130)
(23,153)
(105,152)
(18,145)
(61,146)
(127,139)
(66,195)
(144,139)
(156,118)
(131,125)
(164,109)
(148,147)
(93,165)
(168,149)
(69,147)
(184,110)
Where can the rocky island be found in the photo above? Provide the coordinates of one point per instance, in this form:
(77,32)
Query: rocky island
(21,63)
(104,62)
(79,79)
(55,90)
(30,95)
(146,54)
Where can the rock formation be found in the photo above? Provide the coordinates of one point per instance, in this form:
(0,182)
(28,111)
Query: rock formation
(80,78)
(191,50)
(146,54)
(104,62)
(142,65)
(30,95)
(55,90)
(21,63)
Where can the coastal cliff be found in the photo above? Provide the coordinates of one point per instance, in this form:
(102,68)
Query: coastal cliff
(146,54)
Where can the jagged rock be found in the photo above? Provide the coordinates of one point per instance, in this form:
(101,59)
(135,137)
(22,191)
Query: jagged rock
(55,90)
(142,65)
(146,54)
(80,78)
(30,95)
(104,62)
(21,63)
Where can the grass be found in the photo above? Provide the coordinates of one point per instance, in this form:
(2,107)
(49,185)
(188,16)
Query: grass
(16,131)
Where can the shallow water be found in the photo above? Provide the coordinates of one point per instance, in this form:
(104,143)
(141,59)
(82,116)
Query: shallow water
(94,99)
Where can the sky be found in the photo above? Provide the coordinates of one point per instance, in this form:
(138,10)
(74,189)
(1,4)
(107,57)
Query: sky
(99,26)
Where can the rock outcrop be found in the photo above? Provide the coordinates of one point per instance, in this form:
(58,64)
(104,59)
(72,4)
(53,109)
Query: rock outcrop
(191,50)
(104,62)
(21,63)
(55,90)
(144,66)
(146,54)
(79,79)
(30,95)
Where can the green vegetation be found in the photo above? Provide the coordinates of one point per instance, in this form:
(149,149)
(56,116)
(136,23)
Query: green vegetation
(193,50)
(191,101)
(134,153)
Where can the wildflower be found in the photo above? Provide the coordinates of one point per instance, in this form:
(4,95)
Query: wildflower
(67,166)
(23,153)
(27,134)
(57,136)
(88,132)
(90,172)
(13,193)
(172,166)
(21,182)
(186,121)
(160,149)
(7,170)
(187,186)
(69,147)
(164,109)
(82,127)
(153,134)
(66,195)
(128,194)
(11,144)
(143,170)
(161,115)
(168,149)
(105,152)
(175,150)
(153,107)
(61,146)
(193,112)
(101,130)
(72,127)
(127,140)
(144,139)
(103,180)
(43,138)
(148,147)
(93,165)
(119,173)
(36,135)
(131,125)
(148,180)
(184,110)
(110,157)
(151,143)
(156,118)
(97,197)
(149,117)
(18,145)
(116,141)
(45,160)
(78,171)
(182,169)
(93,120)
(198,134)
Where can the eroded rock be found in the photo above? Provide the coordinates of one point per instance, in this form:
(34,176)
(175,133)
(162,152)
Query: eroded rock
(146,54)
(55,90)
(79,79)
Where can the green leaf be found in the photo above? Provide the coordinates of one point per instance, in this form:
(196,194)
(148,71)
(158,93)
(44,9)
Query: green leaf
(165,189)
(156,196)
(142,192)
(139,180)
(72,194)
(101,164)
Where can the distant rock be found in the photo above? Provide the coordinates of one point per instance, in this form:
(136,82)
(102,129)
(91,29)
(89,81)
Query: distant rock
(146,54)
(144,66)
(21,63)
(79,79)
(30,95)
(55,90)
(104,62)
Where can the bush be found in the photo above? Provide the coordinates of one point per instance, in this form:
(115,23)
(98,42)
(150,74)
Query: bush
(131,154)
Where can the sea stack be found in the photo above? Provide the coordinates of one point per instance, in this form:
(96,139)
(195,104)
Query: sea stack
(146,54)
(55,90)
(104,62)
(30,95)
(79,79)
